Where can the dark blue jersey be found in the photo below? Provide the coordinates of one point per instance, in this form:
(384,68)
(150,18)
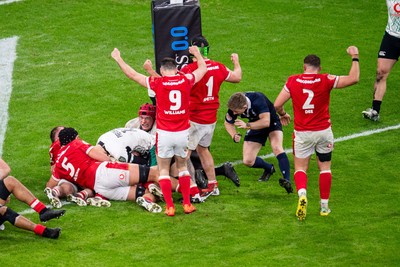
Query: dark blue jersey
(257,103)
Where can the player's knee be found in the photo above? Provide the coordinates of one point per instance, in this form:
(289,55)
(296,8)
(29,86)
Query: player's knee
(67,189)
(248,162)
(382,74)
(7,214)
(324,157)
(4,193)
(277,149)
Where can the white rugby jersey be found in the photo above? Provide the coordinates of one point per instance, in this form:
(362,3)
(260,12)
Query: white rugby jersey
(121,142)
(393,24)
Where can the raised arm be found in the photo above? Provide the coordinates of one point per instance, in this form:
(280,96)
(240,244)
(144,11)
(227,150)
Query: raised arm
(236,74)
(128,70)
(354,74)
(201,64)
(148,67)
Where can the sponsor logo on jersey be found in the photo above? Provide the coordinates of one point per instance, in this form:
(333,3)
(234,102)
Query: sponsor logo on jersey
(213,68)
(308,81)
(396,7)
(173,83)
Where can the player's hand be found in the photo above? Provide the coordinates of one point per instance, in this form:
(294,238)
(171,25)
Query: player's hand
(236,137)
(194,50)
(352,51)
(285,119)
(116,54)
(240,124)
(147,65)
(234,57)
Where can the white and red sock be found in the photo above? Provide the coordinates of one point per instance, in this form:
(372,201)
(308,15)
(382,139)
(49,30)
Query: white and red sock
(56,191)
(37,205)
(82,194)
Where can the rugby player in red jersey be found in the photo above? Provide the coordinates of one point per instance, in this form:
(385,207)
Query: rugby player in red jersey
(310,94)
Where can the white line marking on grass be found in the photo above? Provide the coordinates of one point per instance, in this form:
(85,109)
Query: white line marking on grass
(7,58)
(29,211)
(340,139)
(4,2)
(337,140)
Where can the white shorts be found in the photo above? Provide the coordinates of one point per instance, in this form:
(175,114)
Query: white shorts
(306,143)
(200,134)
(172,143)
(112,180)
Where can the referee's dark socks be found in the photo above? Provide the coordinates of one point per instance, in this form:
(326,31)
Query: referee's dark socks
(284,165)
(260,163)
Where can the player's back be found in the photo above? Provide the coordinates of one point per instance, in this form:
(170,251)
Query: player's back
(204,96)
(74,164)
(121,142)
(172,94)
(310,95)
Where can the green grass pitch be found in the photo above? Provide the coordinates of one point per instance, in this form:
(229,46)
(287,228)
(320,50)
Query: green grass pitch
(64,75)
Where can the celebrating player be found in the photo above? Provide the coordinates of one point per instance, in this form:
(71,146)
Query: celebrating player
(172,96)
(204,104)
(310,93)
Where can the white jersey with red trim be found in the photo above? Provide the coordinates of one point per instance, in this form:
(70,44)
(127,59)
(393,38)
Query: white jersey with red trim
(393,24)
(172,96)
(310,95)
(122,143)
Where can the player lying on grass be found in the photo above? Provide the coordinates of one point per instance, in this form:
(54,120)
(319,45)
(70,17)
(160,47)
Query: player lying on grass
(133,145)
(7,214)
(55,191)
(90,167)
(10,185)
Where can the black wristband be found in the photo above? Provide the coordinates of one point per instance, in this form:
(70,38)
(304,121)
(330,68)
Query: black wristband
(355,59)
